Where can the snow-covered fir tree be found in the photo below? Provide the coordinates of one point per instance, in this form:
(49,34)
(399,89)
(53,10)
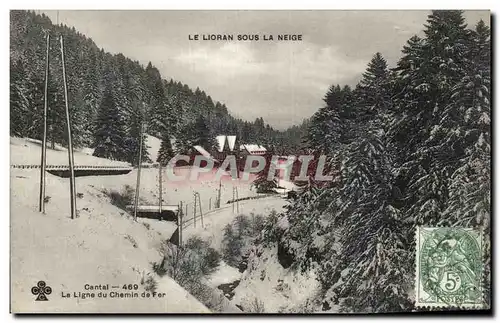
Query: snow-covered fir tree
(109,137)
(165,153)
(133,140)
(424,109)
(19,100)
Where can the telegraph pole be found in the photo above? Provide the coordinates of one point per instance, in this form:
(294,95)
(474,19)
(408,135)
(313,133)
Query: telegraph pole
(160,187)
(219,195)
(138,184)
(72,186)
(237,201)
(197,195)
(43,162)
(194,212)
(179,223)
(233,200)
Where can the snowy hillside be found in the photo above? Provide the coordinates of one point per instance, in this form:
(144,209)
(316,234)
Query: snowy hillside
(275,288)
(25,151)
(102,246)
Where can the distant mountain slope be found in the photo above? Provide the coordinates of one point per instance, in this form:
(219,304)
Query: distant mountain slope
(140,93)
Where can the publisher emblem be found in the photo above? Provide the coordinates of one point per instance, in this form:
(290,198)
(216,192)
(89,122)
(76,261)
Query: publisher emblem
(41,290)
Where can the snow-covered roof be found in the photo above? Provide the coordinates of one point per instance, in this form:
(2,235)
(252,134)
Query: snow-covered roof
(203,152)
(254,149)
(221,141)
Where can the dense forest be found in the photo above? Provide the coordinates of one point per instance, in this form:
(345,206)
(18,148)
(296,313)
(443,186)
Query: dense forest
(407,146)
(111,96)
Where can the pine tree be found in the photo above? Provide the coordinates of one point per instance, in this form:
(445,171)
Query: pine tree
(110,133)
(328,126)
(165,153)
(470,184)
(19,100)
(157,101)
(132,142)
(424,106)
(201,135)
(231,246)
(373,92)
(261,183)
(56,114)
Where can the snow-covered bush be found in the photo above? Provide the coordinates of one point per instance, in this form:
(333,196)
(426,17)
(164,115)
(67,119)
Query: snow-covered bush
(254,306)
(149,283)
(271,232)
(239,236)
(231,246)
(189,262)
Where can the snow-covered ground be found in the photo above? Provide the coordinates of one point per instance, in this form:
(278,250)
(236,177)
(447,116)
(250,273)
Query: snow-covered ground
(225,274)
(276,289)
(25,151)
(103,245)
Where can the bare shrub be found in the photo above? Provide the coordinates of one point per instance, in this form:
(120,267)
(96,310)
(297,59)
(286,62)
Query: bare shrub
(187,265)
(132,240)
(255,306)
(123,198)
(149,283)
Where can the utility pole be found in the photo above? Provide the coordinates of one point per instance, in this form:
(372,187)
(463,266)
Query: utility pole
(220,190)
(194,212)
(237,201)
(72,186)
(179,223)
(138,184)
(43,162)
(161,190)
(196,194)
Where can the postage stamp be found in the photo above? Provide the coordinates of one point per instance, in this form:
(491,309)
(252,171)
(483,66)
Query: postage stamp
(449,268)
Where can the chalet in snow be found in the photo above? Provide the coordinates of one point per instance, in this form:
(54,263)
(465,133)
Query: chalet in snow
(226,145)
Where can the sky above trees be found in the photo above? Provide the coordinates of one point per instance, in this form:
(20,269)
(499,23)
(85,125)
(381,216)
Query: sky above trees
(283,82)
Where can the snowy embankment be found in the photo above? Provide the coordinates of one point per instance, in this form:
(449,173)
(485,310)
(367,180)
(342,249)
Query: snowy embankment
(266,286)
(25,151)
(265,283)
(102,246)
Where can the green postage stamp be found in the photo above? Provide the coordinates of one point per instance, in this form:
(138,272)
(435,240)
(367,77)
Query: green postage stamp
(449,268)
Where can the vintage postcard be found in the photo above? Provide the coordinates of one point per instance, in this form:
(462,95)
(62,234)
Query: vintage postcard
(250,161)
